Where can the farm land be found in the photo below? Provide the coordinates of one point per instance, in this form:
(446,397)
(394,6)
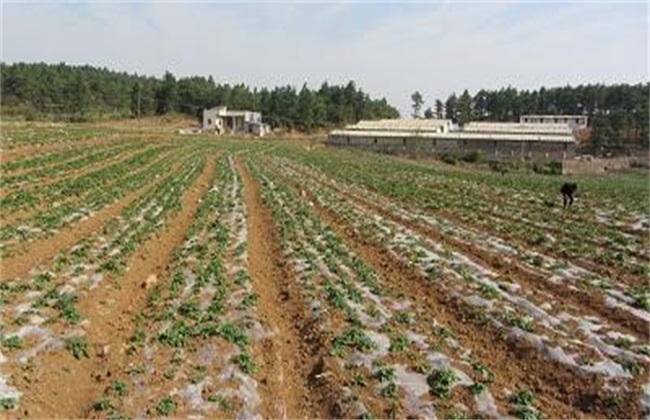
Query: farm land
(149,274)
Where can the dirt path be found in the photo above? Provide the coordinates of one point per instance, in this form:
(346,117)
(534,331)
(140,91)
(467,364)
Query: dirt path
(59,386)
(560,391)
(286,358)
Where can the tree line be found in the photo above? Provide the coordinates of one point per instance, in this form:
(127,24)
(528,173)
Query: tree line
(618,114)
(83,92)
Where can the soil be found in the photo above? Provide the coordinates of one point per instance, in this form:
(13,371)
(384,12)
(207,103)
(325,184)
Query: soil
(290,362)
(59,386)
(561,392)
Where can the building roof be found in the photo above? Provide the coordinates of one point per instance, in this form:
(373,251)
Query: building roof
(458,135)
(222,111)
(523,128)
(400,124)
(550,116)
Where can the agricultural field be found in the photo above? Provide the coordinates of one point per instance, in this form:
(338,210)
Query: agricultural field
(149,274)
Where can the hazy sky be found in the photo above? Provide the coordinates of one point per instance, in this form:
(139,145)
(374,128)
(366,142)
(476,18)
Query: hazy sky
(390,50)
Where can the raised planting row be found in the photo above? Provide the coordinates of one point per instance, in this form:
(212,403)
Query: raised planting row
(40,313)
(387,356)
(44,160)
(50,173)
(191,353)
(52,217)
(534,319)
(628,306)
(29,135)
(517,208)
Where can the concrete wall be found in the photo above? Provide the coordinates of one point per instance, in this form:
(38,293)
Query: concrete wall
(490,149)
(593,166)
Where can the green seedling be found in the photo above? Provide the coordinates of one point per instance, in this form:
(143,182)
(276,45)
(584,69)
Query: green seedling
(440,382)
(77,346)
(166,407)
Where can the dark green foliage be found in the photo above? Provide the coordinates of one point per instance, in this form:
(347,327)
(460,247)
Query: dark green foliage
(76,92)
(618,113)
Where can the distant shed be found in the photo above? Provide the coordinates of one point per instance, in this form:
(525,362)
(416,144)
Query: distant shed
(495,141)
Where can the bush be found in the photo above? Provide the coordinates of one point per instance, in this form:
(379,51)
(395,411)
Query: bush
(473,157)
(449,159)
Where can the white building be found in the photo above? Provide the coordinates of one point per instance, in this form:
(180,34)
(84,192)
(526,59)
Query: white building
(574,121)
(223,121)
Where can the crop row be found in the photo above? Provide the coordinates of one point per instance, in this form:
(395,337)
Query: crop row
(56,215)
(40,313)
(529,217)
(14,136)
(29,179)
(553,272)
(550,328)
(393,358)
(191,352)
(45,159)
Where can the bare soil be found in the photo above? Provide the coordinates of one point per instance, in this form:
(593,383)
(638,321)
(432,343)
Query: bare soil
(59,386)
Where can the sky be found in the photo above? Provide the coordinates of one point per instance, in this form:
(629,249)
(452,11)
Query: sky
(389,49)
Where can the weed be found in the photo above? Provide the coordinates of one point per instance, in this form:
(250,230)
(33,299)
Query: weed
(526,412)
(399,343)
(440,382)
(66,305)
(245,362)
(42,280)
(233,334)
(249,301)
(456,414)
(103,405)
(403,317)
(477,388)
(523,397)
(77,346)
(224,403)
(13,342)
(444,332)
(7,404)
(166,407)
(489,292)
(359,379)
(612,401)
(176,335)
(632,366)
(119,388)
(483,370)
(198,374)
(389,391)
(355,338)
(384,373)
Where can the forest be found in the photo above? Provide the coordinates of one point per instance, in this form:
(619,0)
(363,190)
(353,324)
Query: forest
(618,114)
(82,93)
